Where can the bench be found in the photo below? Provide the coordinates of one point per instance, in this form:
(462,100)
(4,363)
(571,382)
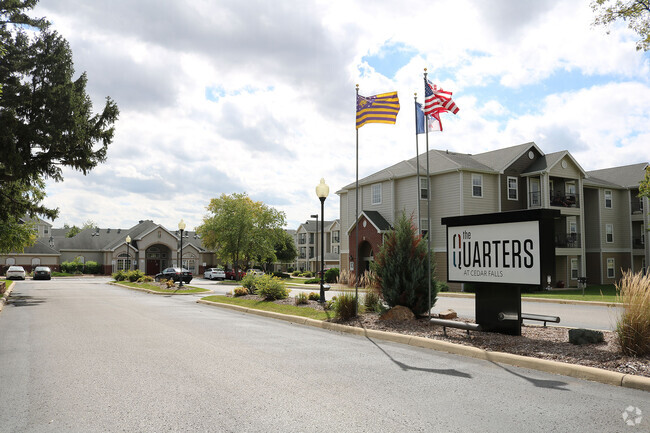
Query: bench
(454,324)
(540,317)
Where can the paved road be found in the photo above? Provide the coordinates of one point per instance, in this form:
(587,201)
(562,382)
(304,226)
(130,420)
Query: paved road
(83,356)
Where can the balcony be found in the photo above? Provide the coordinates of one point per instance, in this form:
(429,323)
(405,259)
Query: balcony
(636,206)
(567,240)
(638,243)
(302,241)
(559,199)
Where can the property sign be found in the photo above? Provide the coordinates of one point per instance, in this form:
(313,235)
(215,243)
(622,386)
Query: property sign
(495,253)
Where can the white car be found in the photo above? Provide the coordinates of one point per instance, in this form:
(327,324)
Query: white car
(254,272)
(16,272)
(214,274)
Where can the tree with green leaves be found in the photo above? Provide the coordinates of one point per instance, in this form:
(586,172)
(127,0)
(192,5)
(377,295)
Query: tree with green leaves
(401,268)
(644,186)
(74,230)
(239,229)
(46,118)
(284,250)
(635,12)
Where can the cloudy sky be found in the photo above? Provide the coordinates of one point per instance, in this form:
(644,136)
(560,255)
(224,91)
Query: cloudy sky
(223,96)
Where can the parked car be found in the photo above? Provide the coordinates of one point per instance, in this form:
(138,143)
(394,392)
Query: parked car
(254,272)
(42,273)
(230,274)
(175,274)
(214,274)
(16,273)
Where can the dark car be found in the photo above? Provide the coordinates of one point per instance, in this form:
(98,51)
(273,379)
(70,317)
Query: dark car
(175,274)
(42,273)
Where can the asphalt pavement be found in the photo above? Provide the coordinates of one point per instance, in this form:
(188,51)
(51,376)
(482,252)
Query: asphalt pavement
(84,356)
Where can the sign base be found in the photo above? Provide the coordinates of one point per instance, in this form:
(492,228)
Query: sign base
(498,308)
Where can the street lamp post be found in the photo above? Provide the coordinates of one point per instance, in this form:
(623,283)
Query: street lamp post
(181,227)
(316,243)
(128,250)
(322,190)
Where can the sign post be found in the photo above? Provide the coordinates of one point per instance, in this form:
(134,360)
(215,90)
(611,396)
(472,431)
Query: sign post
(500,254)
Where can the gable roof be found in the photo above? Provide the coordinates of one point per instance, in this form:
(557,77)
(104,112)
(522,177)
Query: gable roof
(501,159)
(375,218)
(627,176)
(550,160)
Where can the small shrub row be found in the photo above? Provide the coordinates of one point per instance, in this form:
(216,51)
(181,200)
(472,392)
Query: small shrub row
(266,286)
(295,273)
(281,275)
(77,267)
(131,276)
(332,275)
(240,291)
(313,281)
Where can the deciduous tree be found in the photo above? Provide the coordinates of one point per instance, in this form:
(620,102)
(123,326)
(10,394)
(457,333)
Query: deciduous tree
(635,12)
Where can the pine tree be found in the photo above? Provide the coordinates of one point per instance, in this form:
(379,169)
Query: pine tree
(401,268)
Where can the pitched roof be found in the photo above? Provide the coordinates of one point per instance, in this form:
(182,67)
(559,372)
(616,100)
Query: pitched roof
(375,218)
(501,159)
(627,176)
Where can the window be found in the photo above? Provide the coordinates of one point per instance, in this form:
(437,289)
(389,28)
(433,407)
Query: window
(608,199)
(303,253)
(335,249)
(376,193)
(477,185)
(610,268)
(642,234)
(335,236)
(311,238)
(424,226)
(572,225)
(424,188)
(123,262)
(574,269)
(311,252)
(512,188)
(302,238)
(10,261)
(609,233)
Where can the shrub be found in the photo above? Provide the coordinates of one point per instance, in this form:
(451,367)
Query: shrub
(345,306)
(369,280)
(169,283)
(240,291)
(135,275)
(307,274)
(301,298)
(281,275)
(73,267)
(117,276)
(401,268)
(295,273)
(250,282)
(372,301)
(145,279)
(312,281)
(290,270)
(633,325)
(92,267)
(344,277)
(332,275)
(313,296)
(271,288)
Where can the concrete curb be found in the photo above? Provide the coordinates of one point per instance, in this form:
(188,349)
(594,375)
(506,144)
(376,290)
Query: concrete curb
(5,296)
(153,292)
(554,367)
(542,300)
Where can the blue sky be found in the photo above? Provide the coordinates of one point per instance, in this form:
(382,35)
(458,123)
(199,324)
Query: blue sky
(257,97)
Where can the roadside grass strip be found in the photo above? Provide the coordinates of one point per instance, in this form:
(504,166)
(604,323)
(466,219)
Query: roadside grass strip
(292,310)
(593,293)
(158,289)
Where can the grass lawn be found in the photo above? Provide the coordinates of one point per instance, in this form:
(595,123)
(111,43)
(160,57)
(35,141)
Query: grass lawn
(154,288)
(271,306)
(603,293)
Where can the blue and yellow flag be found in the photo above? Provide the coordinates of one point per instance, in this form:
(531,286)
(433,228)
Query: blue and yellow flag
(377,109)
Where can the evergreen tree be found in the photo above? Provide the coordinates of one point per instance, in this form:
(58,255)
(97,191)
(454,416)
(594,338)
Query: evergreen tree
(401,268)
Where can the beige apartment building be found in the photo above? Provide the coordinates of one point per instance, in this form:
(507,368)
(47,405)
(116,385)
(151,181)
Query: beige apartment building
(308,245)
(602,224)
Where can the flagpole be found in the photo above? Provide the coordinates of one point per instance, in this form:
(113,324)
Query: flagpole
(426,128)
(417,162)
(356,221)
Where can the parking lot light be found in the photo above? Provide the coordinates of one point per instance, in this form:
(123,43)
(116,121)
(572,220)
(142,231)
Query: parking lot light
(322,190)
(181,227)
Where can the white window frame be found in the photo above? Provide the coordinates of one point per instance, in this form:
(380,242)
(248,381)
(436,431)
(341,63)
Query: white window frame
(375,193)
(424,226)
(515,189)
(424,188)
(574,269)
(608,192)
(478,177)
(609,230)
(10,261)
(611,268)
(572,225)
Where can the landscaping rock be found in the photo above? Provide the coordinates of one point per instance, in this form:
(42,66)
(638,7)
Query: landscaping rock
(585,336)
(448,314)
(398,312)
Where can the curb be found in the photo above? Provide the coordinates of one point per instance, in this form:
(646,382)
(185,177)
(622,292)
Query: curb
(153,292)
(5,296)
(542,300)
(554,367)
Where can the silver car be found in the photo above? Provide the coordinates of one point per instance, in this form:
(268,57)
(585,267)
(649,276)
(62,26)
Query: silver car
(214,274)
(16,273)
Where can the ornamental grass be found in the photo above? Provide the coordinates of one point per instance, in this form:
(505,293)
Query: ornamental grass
(633,325)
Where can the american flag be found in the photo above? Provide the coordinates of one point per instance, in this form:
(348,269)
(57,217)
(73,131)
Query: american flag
(437,101)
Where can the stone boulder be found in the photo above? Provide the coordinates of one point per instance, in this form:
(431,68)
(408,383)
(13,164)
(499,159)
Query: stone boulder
(448,314)
(399,313)
(585,336)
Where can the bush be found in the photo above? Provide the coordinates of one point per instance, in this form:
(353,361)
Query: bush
(145,279)
(281,275)
(332,275)
(92,267)
(169,283)
(301,298)
(240,291)
(633,325)
(295,273)
(344,277)
(313,296)
(344,306)
(372,301)
(290,270)
(271,288)
(135,275)
(250,282)
(307,274)
(401,268)
(313,281)
(117,276)
(73,267)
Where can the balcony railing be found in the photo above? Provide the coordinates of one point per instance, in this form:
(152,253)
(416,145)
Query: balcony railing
(559,199)
(637,206)
(302,241)
(567,240)
(638,243)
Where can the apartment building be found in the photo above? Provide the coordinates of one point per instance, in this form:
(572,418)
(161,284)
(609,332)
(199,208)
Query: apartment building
(308,240)
(513,178)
